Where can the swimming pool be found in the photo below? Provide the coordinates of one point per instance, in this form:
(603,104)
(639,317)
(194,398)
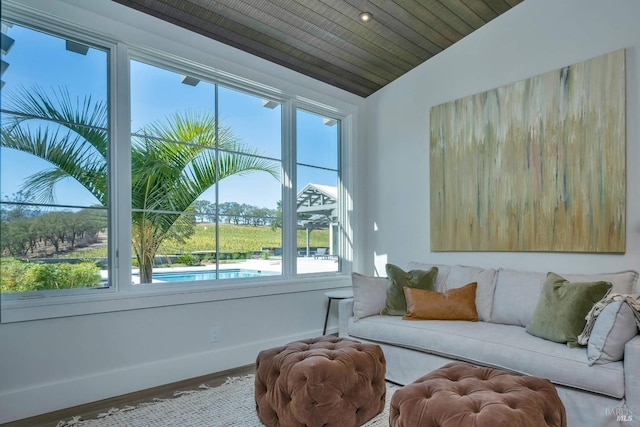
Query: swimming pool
(188,276)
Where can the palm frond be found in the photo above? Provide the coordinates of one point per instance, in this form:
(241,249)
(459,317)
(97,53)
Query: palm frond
(241,160)
(85,117)
(41,185)
(174,161)
(70,154)
(191,126)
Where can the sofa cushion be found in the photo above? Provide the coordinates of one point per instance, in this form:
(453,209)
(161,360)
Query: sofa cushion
(502,346)
(623,282)
(395,304)
(369,294)
(456,304)
(517,292)
(485,278)
(443,273)
(614,326)
(561,312)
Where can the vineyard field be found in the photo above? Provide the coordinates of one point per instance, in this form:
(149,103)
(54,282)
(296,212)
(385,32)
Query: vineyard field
(233,238)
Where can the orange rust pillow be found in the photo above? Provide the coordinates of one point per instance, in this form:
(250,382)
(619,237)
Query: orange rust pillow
(456,304)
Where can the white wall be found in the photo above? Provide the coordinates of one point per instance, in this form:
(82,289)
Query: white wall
(52,364)
(59,363)
(534,37)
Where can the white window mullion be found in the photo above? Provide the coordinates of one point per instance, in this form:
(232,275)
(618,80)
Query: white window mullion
(289,217)
(345,194)
(217,185)
(120,157)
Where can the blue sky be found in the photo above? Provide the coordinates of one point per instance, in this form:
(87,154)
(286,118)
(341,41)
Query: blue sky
(38,59)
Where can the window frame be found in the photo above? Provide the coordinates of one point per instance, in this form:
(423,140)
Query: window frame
(314,108)
(72,33)
(121,294)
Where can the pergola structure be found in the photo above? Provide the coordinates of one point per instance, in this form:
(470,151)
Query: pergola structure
(318,206)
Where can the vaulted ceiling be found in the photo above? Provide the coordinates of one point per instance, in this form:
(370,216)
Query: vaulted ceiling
(325,39)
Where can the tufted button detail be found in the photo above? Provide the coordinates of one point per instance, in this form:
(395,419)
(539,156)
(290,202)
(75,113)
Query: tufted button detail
(510,404)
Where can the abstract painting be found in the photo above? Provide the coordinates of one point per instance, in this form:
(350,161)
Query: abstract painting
(537,165)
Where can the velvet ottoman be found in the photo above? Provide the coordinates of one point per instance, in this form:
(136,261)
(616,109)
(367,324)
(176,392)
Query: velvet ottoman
(460,394)
(325,381)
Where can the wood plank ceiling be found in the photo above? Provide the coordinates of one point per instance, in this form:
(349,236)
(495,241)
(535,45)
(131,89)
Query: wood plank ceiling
(324,39)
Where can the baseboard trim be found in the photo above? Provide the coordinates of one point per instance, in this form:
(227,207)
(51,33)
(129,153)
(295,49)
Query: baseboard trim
(73,392)
(93,409)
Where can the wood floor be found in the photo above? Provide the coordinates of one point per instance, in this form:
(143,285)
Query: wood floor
(91,410)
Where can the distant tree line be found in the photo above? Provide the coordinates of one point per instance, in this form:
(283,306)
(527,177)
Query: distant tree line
(25,229)
(236,213)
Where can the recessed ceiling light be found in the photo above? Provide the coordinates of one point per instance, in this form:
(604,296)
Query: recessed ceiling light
(191,81)
(365,17)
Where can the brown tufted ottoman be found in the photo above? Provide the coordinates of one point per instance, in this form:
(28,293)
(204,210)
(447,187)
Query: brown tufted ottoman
(460,394)
(325,381)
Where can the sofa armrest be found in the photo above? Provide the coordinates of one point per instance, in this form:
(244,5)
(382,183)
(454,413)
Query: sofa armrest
(632,375)
(345,312)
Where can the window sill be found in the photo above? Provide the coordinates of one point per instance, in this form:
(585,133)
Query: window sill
(109,301)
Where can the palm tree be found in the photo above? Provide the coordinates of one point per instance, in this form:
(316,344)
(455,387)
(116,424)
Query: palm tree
(172,160)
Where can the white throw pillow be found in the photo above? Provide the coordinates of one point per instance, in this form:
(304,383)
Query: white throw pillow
(614,326)
(460,276)
(443,273)
(369,295)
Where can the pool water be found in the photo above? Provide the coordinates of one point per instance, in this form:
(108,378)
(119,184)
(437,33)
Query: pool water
(188,276)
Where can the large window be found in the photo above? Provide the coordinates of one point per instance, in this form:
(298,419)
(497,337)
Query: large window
(53,163)
(205,168)
(133,171)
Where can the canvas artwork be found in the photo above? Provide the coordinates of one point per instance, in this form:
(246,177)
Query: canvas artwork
(537,165)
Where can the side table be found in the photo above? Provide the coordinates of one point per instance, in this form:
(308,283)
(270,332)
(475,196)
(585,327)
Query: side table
(338,295)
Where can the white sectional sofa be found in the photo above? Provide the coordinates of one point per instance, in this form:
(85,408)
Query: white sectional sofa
(601,394)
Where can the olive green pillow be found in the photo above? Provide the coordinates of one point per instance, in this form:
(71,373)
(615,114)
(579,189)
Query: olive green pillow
(396,304)
(561,312)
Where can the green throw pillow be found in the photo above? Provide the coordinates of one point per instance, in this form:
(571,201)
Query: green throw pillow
(396,304)
(562,308)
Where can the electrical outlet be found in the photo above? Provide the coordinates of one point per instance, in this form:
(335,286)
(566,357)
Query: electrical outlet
(214,334)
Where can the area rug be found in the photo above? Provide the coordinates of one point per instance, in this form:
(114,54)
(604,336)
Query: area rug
(231,404)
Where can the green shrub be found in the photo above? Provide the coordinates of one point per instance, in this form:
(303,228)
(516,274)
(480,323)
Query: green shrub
(81,275)
(209,256)
(188,259)
(11,273)
(39,277)
(24,276)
